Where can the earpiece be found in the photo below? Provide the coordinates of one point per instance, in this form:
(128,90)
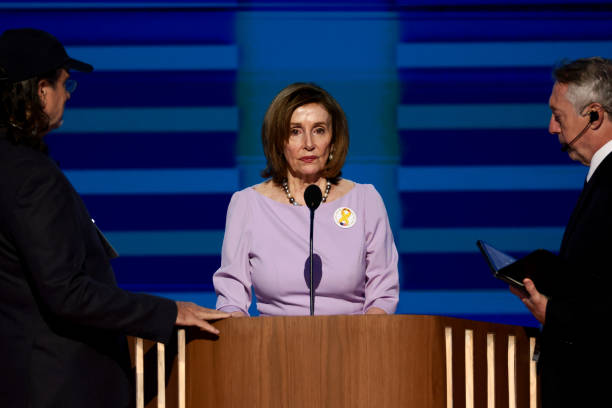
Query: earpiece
(593,116)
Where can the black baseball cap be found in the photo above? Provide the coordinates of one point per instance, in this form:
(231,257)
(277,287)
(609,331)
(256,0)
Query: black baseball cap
(28,52)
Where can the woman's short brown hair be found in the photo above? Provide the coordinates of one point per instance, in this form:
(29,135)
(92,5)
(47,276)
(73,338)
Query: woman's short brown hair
(276,126)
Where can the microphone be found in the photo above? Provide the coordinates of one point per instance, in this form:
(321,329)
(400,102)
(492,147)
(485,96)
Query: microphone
(312,197)
(593,116)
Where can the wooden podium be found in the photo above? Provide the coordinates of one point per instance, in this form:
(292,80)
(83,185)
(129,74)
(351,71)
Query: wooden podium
(351,361)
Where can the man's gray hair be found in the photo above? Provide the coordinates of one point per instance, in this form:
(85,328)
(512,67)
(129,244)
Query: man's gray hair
(589,81)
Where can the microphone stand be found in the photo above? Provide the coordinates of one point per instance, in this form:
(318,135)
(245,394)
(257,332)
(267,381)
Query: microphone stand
(312,292)
(312,198)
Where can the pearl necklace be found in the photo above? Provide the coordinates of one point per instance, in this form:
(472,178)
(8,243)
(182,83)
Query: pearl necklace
(292,200)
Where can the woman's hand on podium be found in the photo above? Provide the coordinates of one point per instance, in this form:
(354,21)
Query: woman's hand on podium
(190,314)
(375,310)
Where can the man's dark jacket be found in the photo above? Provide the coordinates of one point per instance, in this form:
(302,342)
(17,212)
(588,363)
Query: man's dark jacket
(576,346)
(63,320)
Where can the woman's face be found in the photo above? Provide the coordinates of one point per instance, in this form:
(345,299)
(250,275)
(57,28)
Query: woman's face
(308,146)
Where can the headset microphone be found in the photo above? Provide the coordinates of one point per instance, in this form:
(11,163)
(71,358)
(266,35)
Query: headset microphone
(593,116)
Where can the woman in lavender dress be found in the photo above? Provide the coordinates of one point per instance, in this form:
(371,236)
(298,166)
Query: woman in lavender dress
(266,246)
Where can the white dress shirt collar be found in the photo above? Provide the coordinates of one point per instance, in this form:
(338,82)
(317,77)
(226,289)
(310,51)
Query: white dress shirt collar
(598,157)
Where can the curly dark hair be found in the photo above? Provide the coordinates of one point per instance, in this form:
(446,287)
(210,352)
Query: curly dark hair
(21,111)
(275,130)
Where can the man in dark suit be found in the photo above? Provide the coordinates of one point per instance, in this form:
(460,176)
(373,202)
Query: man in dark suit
(63,320)
(575,346)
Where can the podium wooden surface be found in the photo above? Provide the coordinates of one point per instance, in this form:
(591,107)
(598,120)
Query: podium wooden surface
(349,361)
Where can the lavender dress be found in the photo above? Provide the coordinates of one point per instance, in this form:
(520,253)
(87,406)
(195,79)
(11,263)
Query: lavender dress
(266,248)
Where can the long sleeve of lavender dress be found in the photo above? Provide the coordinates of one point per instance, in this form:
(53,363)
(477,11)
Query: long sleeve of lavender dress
(382,283)
(232,281)
(266,246)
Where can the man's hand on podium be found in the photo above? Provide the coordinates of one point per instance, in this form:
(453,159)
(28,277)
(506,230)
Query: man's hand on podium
(190,314)
(375,310)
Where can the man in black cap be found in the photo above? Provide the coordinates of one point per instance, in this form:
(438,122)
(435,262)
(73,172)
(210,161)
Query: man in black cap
(63,320)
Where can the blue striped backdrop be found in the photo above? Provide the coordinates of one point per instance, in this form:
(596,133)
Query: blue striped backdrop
(150,138)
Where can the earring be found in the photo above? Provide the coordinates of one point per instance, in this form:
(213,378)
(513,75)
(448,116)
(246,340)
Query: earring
(331,156)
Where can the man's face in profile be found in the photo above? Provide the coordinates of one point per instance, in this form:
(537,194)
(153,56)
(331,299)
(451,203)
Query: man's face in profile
(567,124)
(54,98)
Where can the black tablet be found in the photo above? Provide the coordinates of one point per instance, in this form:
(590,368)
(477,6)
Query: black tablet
(537,266)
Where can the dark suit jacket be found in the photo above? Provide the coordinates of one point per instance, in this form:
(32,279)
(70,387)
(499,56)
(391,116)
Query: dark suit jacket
(575,347)
(63,320)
